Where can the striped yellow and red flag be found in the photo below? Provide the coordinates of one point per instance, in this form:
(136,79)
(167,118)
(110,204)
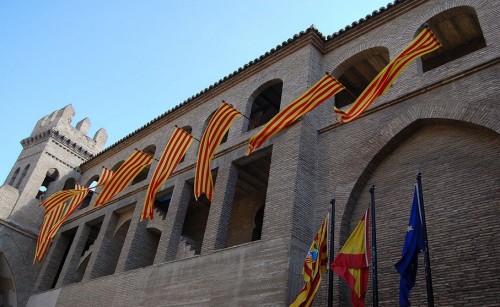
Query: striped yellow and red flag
(123,176)
(106,175)
(353,261)
(424,43)
(315,264)
(218,126)
(55,208)
(325,88)
(176,148)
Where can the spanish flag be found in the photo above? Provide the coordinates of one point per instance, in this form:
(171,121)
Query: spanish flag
(123,176)
(424,43)
(353,260)
(176,148)
(217,127)
(314,265)
(325,88)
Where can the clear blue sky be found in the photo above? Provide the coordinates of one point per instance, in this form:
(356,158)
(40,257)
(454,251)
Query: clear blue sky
(123,63)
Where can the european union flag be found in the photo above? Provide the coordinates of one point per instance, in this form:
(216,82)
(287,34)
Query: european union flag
(414,244)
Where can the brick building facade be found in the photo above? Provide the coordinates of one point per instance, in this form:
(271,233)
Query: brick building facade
(247,247)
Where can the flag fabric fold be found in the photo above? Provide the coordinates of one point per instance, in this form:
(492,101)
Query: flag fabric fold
(325,88)
(174,151)
(414,244)
(59,209)
(219,124)
(315,264)
(123,176)
(106,175)
(424,43)
(352,262)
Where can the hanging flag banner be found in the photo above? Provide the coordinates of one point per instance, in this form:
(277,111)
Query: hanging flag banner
(123,176)
(315,264)
(106,175)
(325,88)
(424,43)
(219,124)
(176,148)
(352,262)
(414,244)
(66,210)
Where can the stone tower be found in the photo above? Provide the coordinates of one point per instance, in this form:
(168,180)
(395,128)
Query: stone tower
(48,162)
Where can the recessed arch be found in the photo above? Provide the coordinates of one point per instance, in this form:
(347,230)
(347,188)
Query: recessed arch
(357,72)
(51,175)
(143,174)
(265,103)
(14,176)
(459,31)
(8,293)
(117,166)
(69,184)
(456,159)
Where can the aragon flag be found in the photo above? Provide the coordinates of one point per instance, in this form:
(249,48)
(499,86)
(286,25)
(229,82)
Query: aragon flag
(174,151)
(218,126)
(424,43)
(325,88)
(414,244)
(353,260)
(123,176)
(68,208)
(315,264)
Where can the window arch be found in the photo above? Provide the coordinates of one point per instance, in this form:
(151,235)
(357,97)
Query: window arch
(69,184)
(50,176)
(357,72)
(117,166)
(14,176)
(150,150)
(91,183)
(25,171)
(265,103)
(459,32)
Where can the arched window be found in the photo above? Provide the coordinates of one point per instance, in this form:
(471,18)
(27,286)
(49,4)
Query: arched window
(265,103)
(91,183)
(459,32)
(357,72)
(150,150)
(69,184)
(117,166)
(14,176)
(189,130)
(25,171)
(50,176)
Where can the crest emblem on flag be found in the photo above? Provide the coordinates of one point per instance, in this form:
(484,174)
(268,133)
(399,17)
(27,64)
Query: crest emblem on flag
(312,254)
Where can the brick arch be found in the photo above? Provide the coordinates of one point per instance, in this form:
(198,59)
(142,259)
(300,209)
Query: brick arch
(395,192)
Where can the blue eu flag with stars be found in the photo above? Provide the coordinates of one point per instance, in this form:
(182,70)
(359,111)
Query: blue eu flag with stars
(414,244)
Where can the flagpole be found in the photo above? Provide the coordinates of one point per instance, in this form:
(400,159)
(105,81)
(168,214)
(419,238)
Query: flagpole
(427,260)
(374,248)
(331,254)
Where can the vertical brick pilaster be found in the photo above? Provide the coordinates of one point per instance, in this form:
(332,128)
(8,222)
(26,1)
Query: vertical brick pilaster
(169,241)
(97,262)
(71,264)
(51,263)
(220,209)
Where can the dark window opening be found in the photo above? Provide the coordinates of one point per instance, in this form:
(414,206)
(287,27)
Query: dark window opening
(8,293)
(458,31)
(357,72)
(117,166)
(92,183)
(69,184)
(94,229)
(61,253)
(51,176)
(266,105)
(25,171)
(195,222)
(162,202)
(247,214)
(14,176)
